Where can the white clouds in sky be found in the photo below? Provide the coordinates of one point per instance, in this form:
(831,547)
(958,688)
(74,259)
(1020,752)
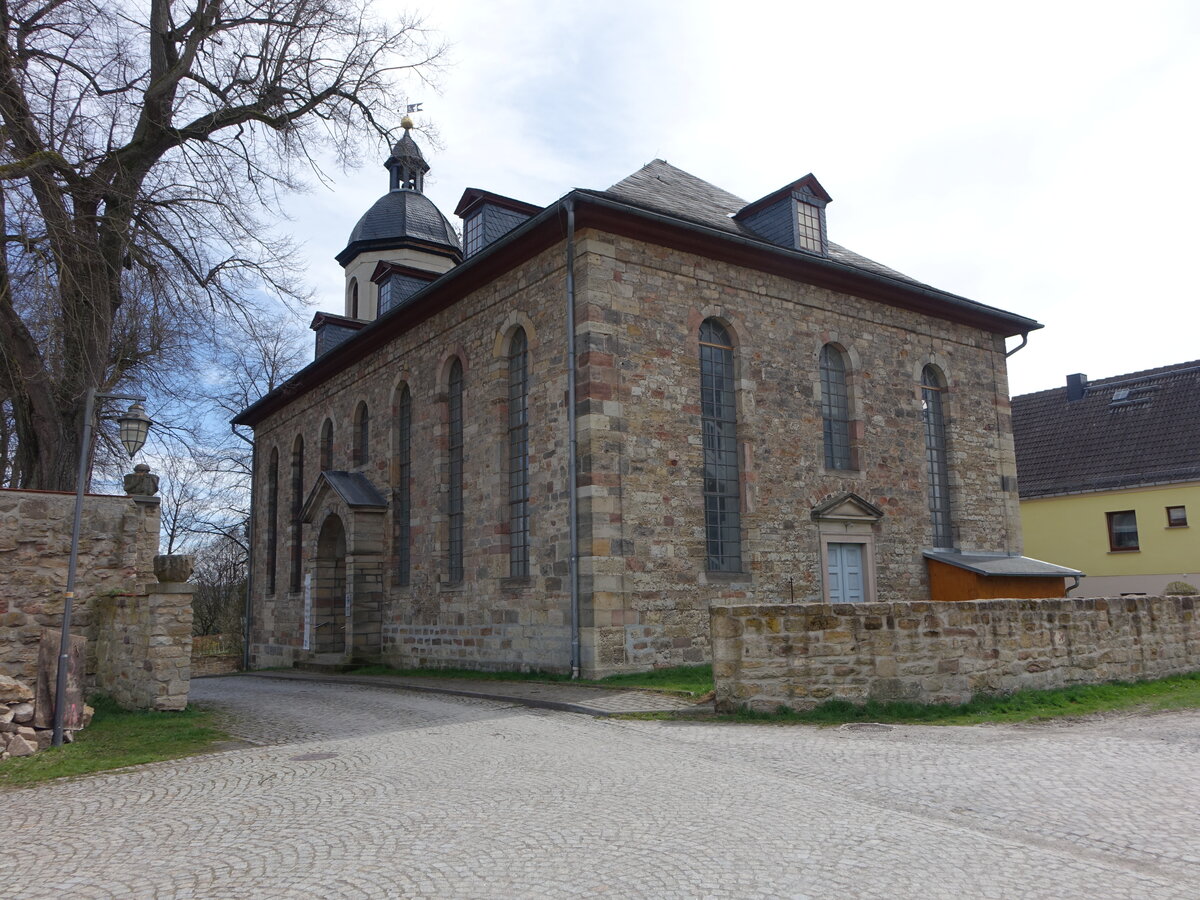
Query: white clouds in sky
(1040,157)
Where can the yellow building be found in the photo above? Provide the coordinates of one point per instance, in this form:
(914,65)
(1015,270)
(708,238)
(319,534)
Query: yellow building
(1109,478)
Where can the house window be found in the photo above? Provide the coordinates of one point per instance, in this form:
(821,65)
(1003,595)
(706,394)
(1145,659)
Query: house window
(518,455)
(1176,516)
(473,234)
(718,412)
(272,519)
(846,572)
(808,227)
(327,445)
(835,409)
(402,496)
(933,386)
(454,505)
(297,505)
(386,294)
(362,435)
(1122,530)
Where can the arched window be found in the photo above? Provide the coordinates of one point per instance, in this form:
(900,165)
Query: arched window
(454,503)
(352,299)
(718,413)
(835,409)
(933,385)
(272,518)
(518,455)
(402,492)
(327,445)
(362,435)
(297,505)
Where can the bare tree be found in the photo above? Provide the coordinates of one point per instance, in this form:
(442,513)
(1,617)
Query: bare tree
(141,144)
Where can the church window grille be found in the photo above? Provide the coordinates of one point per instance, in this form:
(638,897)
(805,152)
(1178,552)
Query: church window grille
(297,506)
(454,507)
(518,455)
(272,519)
(718,405)
(403,489)
(362,435)
(835,409)
(933,387)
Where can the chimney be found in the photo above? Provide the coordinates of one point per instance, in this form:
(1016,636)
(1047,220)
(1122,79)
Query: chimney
(1076,387)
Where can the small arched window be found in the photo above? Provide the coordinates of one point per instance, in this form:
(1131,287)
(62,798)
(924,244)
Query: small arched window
(835,409)
(362,435)
(297,505)
(933,415)
(327,445)
(272,518)
(518,455)
(454,500)
(352,299)
(718,416)
(402,492)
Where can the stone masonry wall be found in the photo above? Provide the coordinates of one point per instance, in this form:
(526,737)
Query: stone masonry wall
(488,620)
(640,428)
(798,655)
(118,542)
(645,591)
(144,646)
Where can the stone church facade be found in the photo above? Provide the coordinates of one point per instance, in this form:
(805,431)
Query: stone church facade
(759,415)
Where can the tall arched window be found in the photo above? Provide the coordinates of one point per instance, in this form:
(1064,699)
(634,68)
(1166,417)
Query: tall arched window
(327,445)
(297,505)
(362,435)
(402,492)
(933,385)
(352,299)
(454,503)
(272,518)
(518,455)
(835,409)
(718,412)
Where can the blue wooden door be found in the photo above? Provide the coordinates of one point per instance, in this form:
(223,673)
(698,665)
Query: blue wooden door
(846,573)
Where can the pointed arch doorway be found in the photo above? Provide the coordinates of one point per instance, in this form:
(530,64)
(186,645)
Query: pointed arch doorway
(330,598)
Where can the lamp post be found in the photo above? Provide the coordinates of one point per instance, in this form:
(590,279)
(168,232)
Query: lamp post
(134,426)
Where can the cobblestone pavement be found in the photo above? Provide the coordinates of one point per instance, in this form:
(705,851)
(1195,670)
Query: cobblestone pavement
(548,695)
(355,791)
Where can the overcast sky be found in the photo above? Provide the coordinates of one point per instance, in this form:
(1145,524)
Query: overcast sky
(1039,157)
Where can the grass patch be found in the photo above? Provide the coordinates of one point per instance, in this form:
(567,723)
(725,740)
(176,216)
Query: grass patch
(692,680)
(116,738)
(1175,692)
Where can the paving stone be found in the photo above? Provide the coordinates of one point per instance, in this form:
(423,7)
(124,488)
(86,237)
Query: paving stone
(404,794)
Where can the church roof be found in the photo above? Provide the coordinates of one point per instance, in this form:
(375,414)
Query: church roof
(658,185)
(398,217)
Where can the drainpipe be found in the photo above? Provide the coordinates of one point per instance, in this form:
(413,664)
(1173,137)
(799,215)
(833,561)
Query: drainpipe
(572,445)
(247,610)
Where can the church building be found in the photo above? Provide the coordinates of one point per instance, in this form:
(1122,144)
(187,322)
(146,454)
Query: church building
(554,444)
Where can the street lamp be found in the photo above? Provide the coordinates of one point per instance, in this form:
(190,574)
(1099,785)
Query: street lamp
(134,425)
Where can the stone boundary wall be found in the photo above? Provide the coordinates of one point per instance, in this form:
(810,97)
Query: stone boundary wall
(204,665)
(799,655)
(118,542)
(144,646)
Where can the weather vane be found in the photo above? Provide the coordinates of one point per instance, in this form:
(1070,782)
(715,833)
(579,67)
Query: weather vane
(414,107)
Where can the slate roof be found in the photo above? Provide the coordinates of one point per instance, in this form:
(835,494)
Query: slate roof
(662,187)
(396,216)
(1105,441)
(353,487)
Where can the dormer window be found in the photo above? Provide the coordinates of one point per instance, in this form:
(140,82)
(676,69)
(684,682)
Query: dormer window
(810,231)
(473,234)
(792,217)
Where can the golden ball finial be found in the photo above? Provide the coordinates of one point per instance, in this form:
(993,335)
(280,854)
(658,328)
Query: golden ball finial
(406,123)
